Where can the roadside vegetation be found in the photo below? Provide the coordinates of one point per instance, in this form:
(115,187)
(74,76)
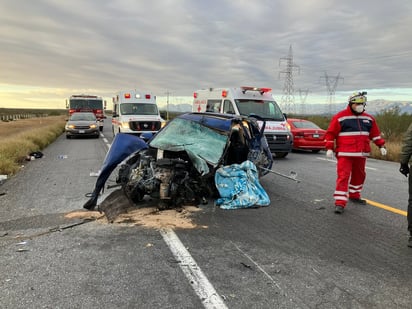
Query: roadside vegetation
(21,137)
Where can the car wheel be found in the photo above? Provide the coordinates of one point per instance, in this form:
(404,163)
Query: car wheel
(281,154)
(67,136)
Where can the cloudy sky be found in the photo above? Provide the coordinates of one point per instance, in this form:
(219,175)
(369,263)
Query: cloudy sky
(51,49)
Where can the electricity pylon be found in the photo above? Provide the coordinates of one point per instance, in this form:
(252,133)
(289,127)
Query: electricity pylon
(288,97)
(331,84)
(303,94)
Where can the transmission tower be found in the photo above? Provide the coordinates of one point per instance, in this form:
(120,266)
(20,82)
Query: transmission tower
(288,98)
(303,94)
(331,84)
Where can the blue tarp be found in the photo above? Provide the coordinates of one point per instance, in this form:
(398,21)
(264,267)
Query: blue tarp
(239,187)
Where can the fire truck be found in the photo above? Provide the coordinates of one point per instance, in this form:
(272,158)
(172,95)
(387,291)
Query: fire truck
(87,103)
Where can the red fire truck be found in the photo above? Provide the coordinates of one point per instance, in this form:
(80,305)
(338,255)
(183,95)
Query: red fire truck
(87,103)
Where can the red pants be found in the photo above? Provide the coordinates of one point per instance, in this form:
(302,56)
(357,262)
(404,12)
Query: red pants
(351,176)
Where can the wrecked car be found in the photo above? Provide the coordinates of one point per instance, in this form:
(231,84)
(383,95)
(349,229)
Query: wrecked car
(177,166)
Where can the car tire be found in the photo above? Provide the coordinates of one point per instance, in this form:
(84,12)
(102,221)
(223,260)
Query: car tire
(281,154)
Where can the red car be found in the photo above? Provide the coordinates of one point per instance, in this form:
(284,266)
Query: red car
(307,135)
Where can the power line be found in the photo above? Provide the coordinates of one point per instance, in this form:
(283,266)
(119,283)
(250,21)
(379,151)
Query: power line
(331,84)
(303,94)
(288,98)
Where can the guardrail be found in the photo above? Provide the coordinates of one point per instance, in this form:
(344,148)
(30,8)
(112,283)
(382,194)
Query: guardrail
(10,117)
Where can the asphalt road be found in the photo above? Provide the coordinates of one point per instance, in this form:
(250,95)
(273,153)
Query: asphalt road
(295,253)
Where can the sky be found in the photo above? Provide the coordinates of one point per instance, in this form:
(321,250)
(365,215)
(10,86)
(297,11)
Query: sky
(51,49)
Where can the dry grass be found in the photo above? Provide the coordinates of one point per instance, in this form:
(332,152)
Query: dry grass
(19,138)
(393,148)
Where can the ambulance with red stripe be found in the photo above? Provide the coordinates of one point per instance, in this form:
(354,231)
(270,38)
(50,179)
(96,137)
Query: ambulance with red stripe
(248,101)
(136,112)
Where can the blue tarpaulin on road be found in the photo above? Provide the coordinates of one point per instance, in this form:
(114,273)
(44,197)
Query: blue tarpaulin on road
(239,187)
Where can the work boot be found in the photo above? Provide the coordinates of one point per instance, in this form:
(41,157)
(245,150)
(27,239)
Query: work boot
(360,201)
(410,241)
(339,209)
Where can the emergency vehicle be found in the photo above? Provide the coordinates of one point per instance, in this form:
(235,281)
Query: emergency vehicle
(87,103)
(135,112)
(248,101)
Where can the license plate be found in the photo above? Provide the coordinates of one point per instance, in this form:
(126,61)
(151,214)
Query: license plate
(81,131)
(316,135)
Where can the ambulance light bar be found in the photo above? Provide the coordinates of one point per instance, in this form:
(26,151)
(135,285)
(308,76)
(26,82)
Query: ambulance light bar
(127,95)
(261,90)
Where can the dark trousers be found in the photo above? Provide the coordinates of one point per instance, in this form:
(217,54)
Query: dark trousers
(409,216)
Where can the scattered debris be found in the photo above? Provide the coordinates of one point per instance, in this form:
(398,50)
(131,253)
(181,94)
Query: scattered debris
(246,265)
(94,174)
(62,156)
(121,211)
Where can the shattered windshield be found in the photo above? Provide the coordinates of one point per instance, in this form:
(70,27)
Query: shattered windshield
(269,110)
(200,142)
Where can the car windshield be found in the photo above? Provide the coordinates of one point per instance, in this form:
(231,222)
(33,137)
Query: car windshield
(201,143)
(84,103)
(83,117)
(138,109)
(269,110)
(305,125)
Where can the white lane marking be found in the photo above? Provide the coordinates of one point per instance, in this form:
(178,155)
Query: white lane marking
(203,288)
(334,161)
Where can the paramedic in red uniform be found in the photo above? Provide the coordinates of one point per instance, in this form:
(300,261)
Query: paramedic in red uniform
(348,136)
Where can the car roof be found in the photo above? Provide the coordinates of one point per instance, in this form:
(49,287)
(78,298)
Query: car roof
(215,120)
(298,119)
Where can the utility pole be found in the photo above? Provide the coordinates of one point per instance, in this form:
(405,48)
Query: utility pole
(303,94)
(331,84)
(167,106)
(288,98)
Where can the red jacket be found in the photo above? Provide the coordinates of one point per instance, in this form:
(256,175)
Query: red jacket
(350,134)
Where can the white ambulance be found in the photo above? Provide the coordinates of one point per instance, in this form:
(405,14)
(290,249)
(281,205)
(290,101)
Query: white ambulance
(248,101)
(136,112)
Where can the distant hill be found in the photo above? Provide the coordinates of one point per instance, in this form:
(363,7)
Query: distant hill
(373,107)
(182,108)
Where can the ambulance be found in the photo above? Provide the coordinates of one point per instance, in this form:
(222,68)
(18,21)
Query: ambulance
(136,112)
(248,101)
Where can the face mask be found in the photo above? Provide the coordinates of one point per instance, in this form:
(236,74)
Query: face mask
(359,108)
